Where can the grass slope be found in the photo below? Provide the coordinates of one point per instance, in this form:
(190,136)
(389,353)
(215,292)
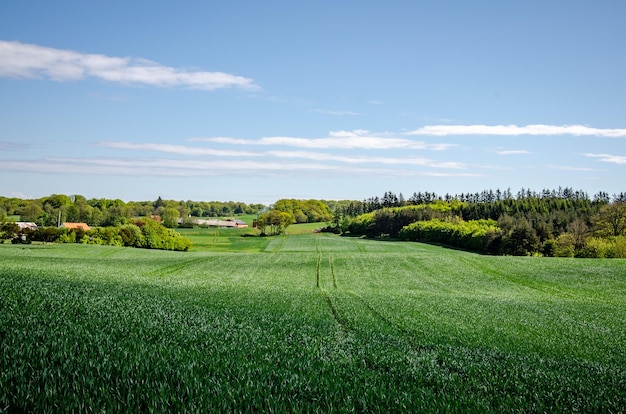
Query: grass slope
(309,323)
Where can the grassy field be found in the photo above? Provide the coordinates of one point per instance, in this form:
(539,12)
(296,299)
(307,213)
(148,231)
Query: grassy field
(237,240)
(308,322)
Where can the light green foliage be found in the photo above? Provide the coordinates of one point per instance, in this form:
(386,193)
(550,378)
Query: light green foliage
(170,217)
(611,247)
(361,223)
(310,323)
(565,245)
(274,222)
(304,211)
(474,234)
(611,219)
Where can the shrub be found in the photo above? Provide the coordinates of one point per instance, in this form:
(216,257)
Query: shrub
(476,235)
(46,234)
(597,248)
(360,224)
(131,235)
(565,245)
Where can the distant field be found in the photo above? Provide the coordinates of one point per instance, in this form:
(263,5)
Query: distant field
(231,240)
(308,322)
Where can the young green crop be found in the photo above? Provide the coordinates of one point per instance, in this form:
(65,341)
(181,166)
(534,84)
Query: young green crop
(308,323)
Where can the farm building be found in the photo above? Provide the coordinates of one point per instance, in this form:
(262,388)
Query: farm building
(26,225)
(76,226)
(228,223)
(237,223)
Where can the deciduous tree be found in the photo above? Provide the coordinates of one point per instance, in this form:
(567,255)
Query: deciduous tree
(611,219)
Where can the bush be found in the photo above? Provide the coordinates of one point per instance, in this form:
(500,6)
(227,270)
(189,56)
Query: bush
(46,234)
(565,245)
(476,235)
(598,247)
(132,236)
(145,233)
(360,224)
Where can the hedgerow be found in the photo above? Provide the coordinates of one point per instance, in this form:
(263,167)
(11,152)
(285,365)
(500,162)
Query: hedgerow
(476,235)
(145,233)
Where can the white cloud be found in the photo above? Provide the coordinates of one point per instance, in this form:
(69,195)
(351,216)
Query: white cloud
(568,168)
(514,130)
(176,149)
(308,155)
(614,159)
(336,113)
(424,162)
(511,152)
(20,60)
(132,167)
(357,139)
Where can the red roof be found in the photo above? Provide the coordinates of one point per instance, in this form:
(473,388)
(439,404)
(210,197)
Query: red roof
(74,226)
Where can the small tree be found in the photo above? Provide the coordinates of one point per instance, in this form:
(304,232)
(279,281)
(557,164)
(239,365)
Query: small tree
(521,240)
(274,222)
(170,217)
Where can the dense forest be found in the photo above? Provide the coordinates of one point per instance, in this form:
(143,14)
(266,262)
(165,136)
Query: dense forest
(559,222)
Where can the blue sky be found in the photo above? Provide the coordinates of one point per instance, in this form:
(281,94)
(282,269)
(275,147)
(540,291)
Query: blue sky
(256,101)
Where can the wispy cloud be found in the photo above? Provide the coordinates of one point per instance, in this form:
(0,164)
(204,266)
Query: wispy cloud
(357,139)
(21,60)
(512,152)
(614,159)
(336,113)
(190,168)
(570,168)
(514,130)
(424,162)
(306,155)
(177,149)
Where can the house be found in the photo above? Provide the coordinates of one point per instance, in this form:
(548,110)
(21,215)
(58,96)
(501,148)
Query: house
(26,225)
(76,226)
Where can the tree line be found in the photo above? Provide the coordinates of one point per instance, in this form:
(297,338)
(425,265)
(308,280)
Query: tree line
(559,222)
(60,208)
(142,233)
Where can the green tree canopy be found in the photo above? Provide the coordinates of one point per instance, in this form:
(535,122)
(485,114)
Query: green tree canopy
(611,219)
(274,222)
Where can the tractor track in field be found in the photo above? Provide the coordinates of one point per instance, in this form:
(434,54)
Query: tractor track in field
(346,325)
(279,245)
(358,246)
(173,268)
(395,326)
(342,323)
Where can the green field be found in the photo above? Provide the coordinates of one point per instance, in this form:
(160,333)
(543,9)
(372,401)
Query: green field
(308,323)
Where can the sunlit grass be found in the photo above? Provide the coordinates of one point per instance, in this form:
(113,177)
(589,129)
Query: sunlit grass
(308,323)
